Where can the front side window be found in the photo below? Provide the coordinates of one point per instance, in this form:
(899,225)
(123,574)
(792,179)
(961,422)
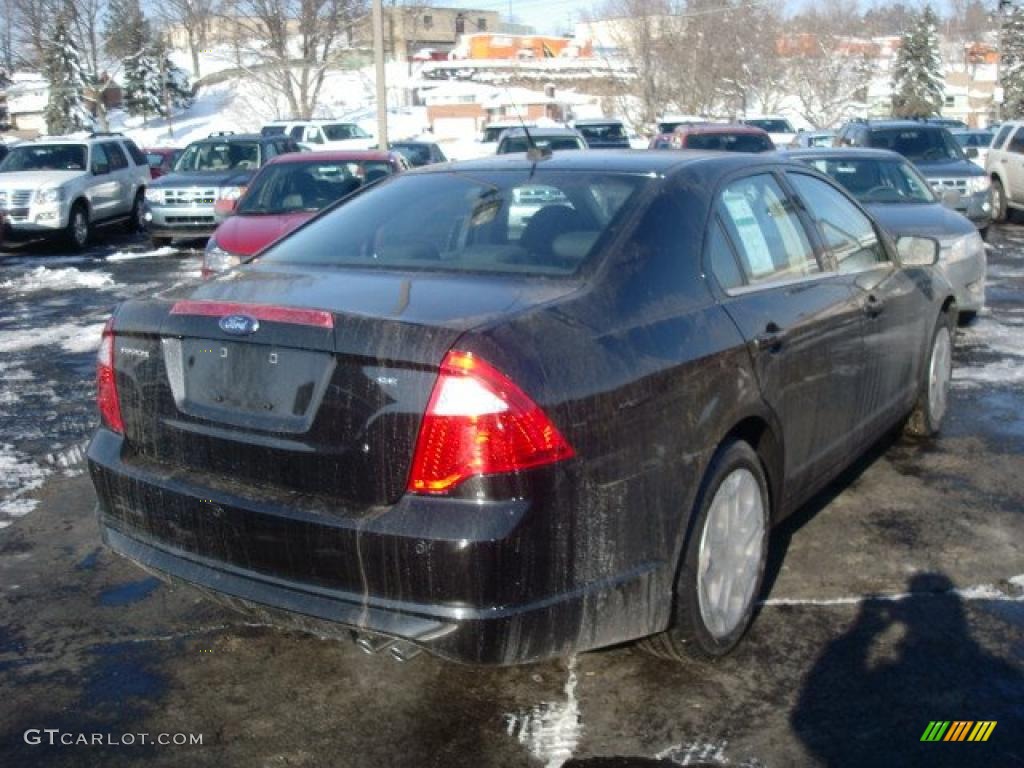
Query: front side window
(342,131)
(45,157)
(766,230)
(845,230)
(544,222)
(876,181)
(99,158)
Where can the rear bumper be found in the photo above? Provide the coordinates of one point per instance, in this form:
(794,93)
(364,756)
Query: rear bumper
(481,584)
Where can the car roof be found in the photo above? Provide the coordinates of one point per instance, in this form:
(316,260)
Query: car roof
(597,121)
(718,128)
(630,161)
(852,153)
(552,131)
(236,137)
(887,124)
(413,143)
(334,156)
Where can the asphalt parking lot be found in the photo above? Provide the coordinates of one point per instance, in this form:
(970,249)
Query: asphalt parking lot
(894,599)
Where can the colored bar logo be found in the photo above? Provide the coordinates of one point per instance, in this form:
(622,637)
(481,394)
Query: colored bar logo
(958,730)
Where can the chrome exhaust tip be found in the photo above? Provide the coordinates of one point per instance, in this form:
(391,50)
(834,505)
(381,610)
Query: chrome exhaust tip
(402,651)
(372,644)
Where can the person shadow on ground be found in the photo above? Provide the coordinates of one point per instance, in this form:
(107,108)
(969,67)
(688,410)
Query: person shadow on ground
(872,693)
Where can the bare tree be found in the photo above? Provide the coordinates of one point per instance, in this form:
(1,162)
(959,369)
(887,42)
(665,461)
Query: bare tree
(33,22)
(289,45)
(196,17)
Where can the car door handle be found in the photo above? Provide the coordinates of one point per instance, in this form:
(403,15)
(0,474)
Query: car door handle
(873,306)
(770,340)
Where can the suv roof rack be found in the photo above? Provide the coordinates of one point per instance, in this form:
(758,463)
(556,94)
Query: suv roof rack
(98,134)
(221,133)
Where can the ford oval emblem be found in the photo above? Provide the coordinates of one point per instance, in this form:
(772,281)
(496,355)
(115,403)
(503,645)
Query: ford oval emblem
(239,325)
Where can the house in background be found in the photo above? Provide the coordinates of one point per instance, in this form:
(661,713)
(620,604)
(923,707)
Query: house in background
(27,96)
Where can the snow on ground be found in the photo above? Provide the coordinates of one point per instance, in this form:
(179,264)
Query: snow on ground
(999,334)
(18,477)
(71,337)
(45,279)
(132,255)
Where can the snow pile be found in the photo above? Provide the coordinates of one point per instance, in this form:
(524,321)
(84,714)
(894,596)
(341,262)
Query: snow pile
(131,256)
(45,279)
(989,335)
(71,337)
(18,477)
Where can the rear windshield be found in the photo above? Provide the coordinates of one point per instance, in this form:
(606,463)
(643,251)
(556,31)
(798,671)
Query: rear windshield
(771,125)
(917,144)
(486,221)
(291,187)
(730,142)
(977,139)
(871,180)
(272,130)
(342,131)
(220,156)
(602,132)
(45,157)
(521,144)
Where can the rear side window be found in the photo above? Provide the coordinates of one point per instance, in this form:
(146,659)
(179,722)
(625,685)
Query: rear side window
(722,258)
(493,221)
(1017,142)
(1001,136)
(137,156)
(846,231)
(771,241)
(116,156)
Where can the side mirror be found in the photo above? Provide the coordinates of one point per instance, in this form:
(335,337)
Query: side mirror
(100,169)
(972,153)
(224,208)
(917,251)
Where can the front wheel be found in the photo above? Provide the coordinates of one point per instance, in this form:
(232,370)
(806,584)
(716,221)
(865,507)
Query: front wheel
(723,562)
(136,219)
(926,418)
(77,233)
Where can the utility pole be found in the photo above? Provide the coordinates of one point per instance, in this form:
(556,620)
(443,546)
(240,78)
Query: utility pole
(382,88)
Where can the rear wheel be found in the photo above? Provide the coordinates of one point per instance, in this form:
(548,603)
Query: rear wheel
(926,418)
(724,560)
(76,235)
(998,201)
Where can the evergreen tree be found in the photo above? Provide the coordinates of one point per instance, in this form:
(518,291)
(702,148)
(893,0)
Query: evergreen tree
(179,90)
(143,91)
(917,79)
(1011,71)
(65,110)
(127,31)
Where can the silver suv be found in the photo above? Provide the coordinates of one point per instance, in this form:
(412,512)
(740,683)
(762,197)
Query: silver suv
(1005,166)
(66,187)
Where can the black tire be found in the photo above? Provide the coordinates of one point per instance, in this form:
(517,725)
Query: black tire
(967,317)
(160,242)
(984,232)
(78,231)
(135,223)
(689,637)
(926,418)
(998,201)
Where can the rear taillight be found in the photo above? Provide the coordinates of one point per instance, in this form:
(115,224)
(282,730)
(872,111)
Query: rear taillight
(478,422)
(106,384)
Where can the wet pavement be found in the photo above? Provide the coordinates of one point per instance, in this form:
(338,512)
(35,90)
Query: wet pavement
(895,599)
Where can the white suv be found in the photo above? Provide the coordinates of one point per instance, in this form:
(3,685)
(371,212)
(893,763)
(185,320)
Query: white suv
(1005,166)
(321,135)
(66,187)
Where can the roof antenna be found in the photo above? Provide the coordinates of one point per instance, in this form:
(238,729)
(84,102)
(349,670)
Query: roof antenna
(534,153)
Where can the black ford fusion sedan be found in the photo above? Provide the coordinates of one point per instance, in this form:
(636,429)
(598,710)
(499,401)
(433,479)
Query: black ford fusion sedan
(515,408)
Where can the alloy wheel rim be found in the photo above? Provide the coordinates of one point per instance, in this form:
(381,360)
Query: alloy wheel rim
(939,374)
(731,549)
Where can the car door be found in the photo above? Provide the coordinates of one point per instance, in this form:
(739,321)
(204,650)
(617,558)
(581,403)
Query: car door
(799,318)
(103,187)
(1012,161)
(886,296)
(121,178)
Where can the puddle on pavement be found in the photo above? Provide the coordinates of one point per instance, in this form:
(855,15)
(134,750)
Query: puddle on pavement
(126,594)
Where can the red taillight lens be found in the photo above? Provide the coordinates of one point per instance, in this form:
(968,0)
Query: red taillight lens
(478,422)
(106,384)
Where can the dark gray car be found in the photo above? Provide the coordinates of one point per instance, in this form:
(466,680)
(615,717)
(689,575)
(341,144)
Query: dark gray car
(901,200)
